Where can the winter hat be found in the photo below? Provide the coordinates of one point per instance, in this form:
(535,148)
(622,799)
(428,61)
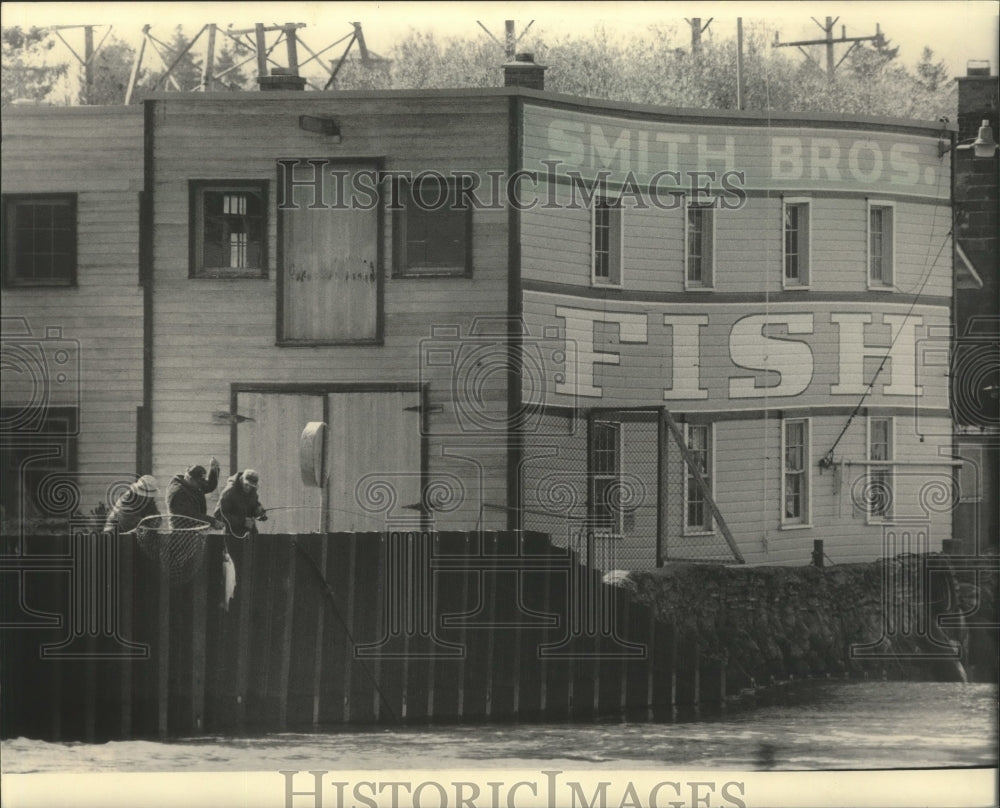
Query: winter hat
(251,476)
(145,485)
(196,471)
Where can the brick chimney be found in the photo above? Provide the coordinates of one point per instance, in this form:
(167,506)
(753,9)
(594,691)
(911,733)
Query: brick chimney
(977,99)
(523,72)
(282,78)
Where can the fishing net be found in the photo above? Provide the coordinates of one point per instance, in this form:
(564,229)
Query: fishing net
(177,543)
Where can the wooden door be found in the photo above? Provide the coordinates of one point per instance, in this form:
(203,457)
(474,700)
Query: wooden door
(269,443)
(374,439)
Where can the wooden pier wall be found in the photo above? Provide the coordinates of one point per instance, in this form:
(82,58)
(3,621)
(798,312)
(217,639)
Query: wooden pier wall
(450,626)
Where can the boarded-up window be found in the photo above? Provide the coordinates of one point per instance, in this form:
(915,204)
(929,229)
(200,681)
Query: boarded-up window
(329,261)
(39,240)
(228,229)
(432,229)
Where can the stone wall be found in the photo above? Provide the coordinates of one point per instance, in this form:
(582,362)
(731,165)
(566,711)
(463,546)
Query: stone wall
(876,619)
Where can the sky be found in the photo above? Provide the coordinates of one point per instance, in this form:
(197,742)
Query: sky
(957,30)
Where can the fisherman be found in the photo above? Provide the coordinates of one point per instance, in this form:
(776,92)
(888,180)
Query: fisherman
(237,511)
(186,492)
(135,504)
(239,506)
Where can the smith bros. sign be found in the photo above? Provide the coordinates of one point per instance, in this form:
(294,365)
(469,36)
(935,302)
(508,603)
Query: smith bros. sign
(771,157)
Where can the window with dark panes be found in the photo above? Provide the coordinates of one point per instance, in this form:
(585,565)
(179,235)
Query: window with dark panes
(698,247)
(880,477)
(697,515)
(39,240)
(796,475)
(605,474)
(433,229)
(796,247)
(229,224)
(880,245)
(607,241)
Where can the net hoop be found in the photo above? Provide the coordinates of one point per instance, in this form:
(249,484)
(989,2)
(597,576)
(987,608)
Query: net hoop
(177,543)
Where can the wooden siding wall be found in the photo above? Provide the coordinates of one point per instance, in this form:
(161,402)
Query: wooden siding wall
(747,488)
(556,245)
(97,154)
(208,333)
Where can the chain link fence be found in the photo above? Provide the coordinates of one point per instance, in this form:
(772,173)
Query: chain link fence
(626,488)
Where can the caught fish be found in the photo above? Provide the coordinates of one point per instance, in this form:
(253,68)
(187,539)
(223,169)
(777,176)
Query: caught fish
(229,577)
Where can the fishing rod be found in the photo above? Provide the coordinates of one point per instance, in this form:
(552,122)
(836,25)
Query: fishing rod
(331,596)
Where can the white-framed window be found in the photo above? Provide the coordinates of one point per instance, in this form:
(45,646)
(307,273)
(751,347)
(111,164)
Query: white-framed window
(228,229)
(701,443)
(796,245)
(795,477)
(881,244)
(699,246)
(606,241)
(880,482)
(605,477)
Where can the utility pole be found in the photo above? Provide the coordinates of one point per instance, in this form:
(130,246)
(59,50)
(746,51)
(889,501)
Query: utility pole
(739,63)
(88,64)
(89,55)
(829,42)
(510,38)
(697,29)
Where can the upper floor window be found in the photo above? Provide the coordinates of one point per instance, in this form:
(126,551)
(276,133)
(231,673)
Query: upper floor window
(697,515)
(699,247)
(228,225)
(880,244)
(795,472)
(606,253)
(796,243)
(432,229)
(39,232)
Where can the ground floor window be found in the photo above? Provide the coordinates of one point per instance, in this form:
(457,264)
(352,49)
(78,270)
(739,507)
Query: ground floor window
(795,474)
(605,460)
(697,515)
(880,486)
(37,494)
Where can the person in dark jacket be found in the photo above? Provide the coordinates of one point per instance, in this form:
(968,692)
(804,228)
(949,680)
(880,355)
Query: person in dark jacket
(186,492)
(138,502)
(238,504)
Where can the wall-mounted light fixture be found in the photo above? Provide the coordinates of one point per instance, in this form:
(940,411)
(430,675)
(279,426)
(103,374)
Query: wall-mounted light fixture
(320,125)
(983,145)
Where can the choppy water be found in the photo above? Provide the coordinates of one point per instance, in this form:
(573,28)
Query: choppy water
(809,725)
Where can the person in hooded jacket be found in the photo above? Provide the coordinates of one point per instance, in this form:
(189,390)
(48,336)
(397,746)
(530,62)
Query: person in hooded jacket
(186,492)
(135,504)
(237,511)
(238,504)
